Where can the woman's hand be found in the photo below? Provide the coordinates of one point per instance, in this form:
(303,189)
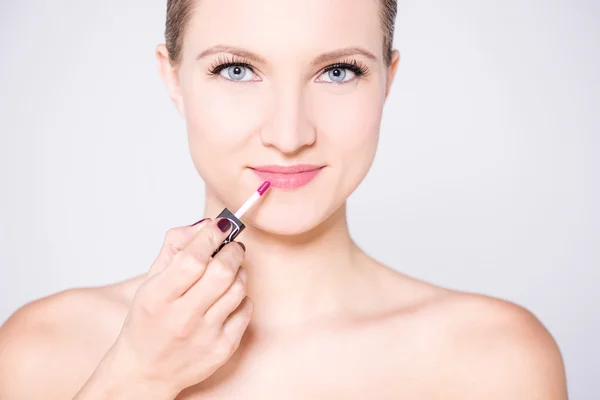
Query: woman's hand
(188,317)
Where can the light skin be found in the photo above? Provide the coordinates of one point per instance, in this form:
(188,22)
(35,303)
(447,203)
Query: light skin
(302,312)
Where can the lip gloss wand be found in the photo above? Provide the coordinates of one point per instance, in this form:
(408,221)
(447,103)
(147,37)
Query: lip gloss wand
(235,218)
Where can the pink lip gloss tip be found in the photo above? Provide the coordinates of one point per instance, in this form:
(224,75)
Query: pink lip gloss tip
(263,188)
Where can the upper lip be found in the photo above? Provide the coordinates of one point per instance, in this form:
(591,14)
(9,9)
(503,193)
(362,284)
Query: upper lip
(287,169)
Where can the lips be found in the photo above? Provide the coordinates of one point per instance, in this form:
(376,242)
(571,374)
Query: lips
(287,177)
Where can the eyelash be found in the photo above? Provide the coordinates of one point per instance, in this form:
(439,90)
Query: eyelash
(359,68)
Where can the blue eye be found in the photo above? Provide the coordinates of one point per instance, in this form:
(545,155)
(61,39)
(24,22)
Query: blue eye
(337,75)
(233,70)
(241,71)
(237,73)
(342,73)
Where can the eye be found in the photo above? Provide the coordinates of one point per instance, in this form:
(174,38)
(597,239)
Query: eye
(337,75)
(233,68)
(238,73)
(343,72)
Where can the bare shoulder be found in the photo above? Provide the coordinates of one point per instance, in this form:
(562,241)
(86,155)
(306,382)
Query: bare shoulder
(478,347)
(491,348)
(502,350)
(56,340)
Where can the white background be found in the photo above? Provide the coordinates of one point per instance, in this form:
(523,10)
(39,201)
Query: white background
(487,178)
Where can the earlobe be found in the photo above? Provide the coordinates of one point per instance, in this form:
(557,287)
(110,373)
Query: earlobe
(169,76)
(391,72)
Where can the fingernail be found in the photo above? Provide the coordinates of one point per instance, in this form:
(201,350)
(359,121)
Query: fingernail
(196,223)
(224,224)
(242,245)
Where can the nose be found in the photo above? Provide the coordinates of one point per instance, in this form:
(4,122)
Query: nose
(289,128)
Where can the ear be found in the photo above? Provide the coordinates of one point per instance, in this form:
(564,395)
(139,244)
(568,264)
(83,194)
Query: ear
(391,71)
(170,77)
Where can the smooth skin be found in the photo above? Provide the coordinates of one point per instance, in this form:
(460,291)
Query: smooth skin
(303,312)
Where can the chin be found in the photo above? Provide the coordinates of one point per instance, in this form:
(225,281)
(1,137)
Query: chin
(286,212)
(285,224)
(294,213)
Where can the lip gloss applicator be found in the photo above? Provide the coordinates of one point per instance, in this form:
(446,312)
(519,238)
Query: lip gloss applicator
(235,218)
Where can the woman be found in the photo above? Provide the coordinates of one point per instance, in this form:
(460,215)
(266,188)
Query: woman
(290,92)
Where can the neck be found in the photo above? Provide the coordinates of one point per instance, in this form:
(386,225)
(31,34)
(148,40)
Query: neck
(296,279)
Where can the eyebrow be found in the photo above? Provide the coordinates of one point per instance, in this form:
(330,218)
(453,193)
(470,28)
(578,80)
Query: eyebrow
(346,52)
(232,50)
(320,59)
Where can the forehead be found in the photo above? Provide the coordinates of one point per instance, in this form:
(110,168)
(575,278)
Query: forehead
(286,27)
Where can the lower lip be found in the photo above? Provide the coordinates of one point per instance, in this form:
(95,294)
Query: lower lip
(288,181)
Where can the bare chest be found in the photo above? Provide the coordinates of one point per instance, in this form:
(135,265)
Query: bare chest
(316,370)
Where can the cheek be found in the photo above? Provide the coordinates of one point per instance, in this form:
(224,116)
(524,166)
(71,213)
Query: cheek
(219,124)
(220,116)
(349,125)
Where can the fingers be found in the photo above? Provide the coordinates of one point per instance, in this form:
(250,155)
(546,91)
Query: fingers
(188,265)
(220,310)
(235,325)
(220,276)
(175,240)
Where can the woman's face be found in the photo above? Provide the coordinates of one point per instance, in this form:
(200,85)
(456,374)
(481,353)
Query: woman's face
(258,86)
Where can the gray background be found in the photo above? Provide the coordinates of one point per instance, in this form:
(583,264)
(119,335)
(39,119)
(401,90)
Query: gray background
(487,167)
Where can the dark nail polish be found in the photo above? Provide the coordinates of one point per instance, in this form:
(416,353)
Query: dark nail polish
(224,224)
(242,245)
(196,223)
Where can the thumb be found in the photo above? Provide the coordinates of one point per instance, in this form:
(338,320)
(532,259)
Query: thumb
(175,240)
